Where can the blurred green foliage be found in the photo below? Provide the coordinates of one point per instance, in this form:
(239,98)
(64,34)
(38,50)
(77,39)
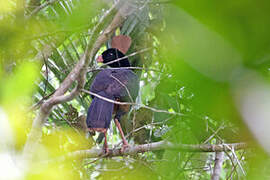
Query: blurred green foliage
(198,51)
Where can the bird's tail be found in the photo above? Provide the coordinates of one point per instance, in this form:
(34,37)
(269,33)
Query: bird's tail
(100,112)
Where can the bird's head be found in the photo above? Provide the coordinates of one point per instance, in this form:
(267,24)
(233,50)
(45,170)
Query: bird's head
(113,54)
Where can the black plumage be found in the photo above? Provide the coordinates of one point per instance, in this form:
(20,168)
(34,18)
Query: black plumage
(116,84)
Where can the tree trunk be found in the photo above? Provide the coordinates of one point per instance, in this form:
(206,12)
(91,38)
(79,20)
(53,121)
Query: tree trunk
(218,165)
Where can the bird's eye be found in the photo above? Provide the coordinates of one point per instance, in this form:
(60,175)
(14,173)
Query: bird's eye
(111,54)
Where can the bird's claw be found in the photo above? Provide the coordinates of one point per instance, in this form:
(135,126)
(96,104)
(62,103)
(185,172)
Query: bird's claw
(106,151)
(124,147)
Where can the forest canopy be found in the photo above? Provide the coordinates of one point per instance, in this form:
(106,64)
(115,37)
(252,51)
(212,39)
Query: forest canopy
(202,107)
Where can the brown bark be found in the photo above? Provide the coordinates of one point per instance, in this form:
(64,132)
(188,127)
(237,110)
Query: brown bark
(95,153)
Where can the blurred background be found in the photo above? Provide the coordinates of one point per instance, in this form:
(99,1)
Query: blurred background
(208,61)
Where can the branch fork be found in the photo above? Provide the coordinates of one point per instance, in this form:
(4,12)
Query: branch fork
(77,74)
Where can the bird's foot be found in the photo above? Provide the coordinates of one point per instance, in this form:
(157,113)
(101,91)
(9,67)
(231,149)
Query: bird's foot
(124,147)
(106,151)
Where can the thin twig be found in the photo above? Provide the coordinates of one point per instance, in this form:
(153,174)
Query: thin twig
(130,55)
(221,140)
(122,84)
(214,134)
(139,68)
(237,160)
(234,167)
(35,106)
(72,127)
(128,103)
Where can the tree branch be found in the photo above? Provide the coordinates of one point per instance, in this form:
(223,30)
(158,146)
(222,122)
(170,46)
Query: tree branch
(78,73)
(95,153)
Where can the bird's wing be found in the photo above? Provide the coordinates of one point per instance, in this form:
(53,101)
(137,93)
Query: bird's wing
(124,85)
(101,81)
(121,83)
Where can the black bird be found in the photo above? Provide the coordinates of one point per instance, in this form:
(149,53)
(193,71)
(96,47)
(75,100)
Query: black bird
(115,84)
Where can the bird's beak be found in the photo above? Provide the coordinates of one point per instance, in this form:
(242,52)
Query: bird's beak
(100,59)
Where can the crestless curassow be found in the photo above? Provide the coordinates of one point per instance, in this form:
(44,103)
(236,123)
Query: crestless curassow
(116,84)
